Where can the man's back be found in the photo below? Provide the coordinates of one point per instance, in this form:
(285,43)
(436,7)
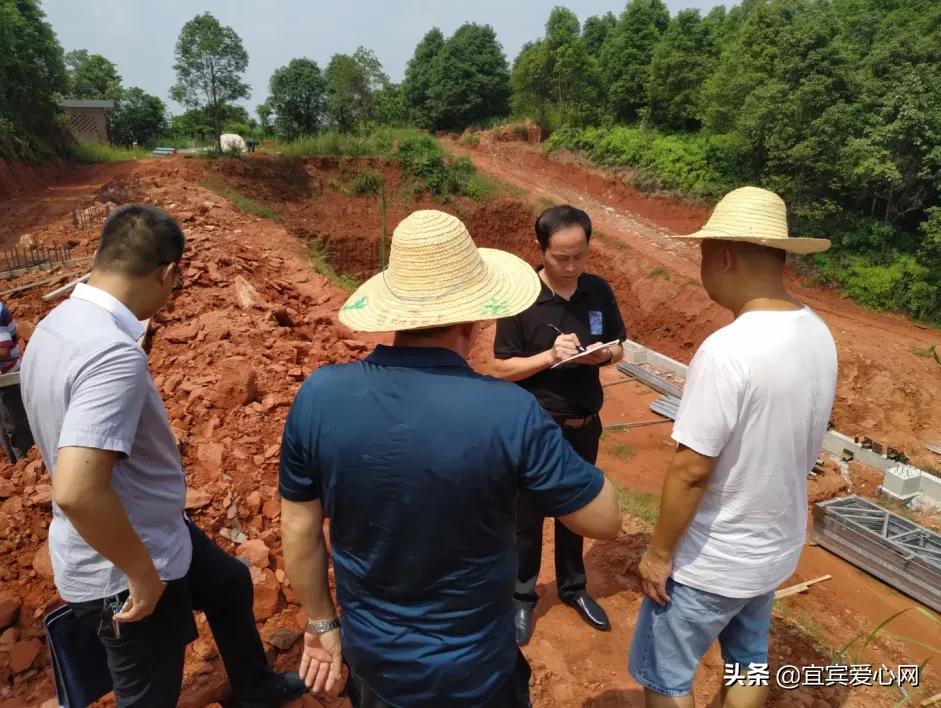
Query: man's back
(86,384)
(417,461)
(759,396)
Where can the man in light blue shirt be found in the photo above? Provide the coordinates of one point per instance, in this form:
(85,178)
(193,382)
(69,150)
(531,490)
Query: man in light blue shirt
(125,557)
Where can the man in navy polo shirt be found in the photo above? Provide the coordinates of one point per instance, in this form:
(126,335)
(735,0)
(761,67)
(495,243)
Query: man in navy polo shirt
(417,461)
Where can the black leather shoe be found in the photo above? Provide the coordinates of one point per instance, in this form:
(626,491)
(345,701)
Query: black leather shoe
(593,613)
(523,619)
(280,690)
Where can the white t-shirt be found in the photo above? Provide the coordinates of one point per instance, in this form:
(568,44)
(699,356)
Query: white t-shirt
(758,396)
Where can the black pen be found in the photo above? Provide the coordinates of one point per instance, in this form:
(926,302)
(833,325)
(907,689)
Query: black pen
(579,347)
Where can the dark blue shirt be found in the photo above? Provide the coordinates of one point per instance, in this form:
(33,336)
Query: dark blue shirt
(417,461)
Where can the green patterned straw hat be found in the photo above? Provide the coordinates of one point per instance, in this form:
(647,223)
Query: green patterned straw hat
(436,276)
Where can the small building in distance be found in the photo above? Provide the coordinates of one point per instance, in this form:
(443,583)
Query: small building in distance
(87,119)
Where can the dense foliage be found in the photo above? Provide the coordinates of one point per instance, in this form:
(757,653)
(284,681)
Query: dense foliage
(834,104)
(32,76)
(450,84)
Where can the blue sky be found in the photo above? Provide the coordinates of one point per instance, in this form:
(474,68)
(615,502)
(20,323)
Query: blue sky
(139,37)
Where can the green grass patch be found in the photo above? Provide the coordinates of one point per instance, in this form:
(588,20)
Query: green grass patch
(660,272)
(544,203)
(244,204)
(322,261)
(927,352)
(622,451)
(366,183)
(89,151)
(335,144)
(470,140)
(644,506)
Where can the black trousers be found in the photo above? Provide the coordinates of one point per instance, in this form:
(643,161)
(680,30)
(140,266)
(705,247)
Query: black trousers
(513,694)
(146,660)
(17,438)
(569,564)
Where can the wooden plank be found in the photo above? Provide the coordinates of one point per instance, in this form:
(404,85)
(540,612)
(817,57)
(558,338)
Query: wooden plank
(935,699)
(800,587)
(66,288)
(934,447)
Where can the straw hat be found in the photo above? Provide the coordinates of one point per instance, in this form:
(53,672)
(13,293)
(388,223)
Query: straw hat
(756,216)
(436,276)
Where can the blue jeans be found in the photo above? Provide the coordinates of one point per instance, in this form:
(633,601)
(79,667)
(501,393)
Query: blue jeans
(670,641)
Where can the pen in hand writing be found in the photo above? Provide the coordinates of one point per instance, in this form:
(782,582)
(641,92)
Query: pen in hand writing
(559,331)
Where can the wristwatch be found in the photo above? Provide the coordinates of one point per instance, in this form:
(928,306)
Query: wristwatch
(322,626)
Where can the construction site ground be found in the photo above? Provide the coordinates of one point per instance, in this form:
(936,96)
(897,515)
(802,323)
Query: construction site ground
(254,318)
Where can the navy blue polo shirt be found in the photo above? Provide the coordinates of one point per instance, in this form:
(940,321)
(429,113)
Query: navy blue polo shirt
(417,461)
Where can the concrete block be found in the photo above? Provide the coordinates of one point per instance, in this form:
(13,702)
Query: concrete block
(634,353)
(666,364)
(931,487)
(835,443)
(902,482)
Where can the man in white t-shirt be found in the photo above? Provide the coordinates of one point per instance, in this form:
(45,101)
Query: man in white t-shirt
(734,506)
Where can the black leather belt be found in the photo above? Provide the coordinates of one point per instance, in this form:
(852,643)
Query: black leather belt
(575,422)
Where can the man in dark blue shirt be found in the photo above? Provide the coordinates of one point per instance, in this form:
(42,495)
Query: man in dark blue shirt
(417,461)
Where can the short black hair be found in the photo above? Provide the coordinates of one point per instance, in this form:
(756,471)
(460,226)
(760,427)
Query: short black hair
(557,218)
(137,239)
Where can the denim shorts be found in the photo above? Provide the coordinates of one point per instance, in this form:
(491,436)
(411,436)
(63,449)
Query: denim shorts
(670,641)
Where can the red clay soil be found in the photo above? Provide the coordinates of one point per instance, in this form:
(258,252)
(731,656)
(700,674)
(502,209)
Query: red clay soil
(228,354)
(886,390)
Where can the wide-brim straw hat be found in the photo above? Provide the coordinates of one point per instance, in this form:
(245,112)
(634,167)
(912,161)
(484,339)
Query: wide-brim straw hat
(437,276)
(755,215)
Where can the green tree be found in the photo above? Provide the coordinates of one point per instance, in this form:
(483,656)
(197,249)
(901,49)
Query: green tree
(210,61)
(264,111)
(348,99)
(92,76)
(681,62)
(138,117)
(418,76)
(389,106)
(558,74)
(626,56)
(596,30)
(32,73)
(352,83)
(531,82)
(470,82)
(297,95)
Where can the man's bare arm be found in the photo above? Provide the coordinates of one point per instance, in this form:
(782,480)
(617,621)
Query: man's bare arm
(600,518)
(683,489)
(518,368)
(81,487)
(305,561)
(305,556)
